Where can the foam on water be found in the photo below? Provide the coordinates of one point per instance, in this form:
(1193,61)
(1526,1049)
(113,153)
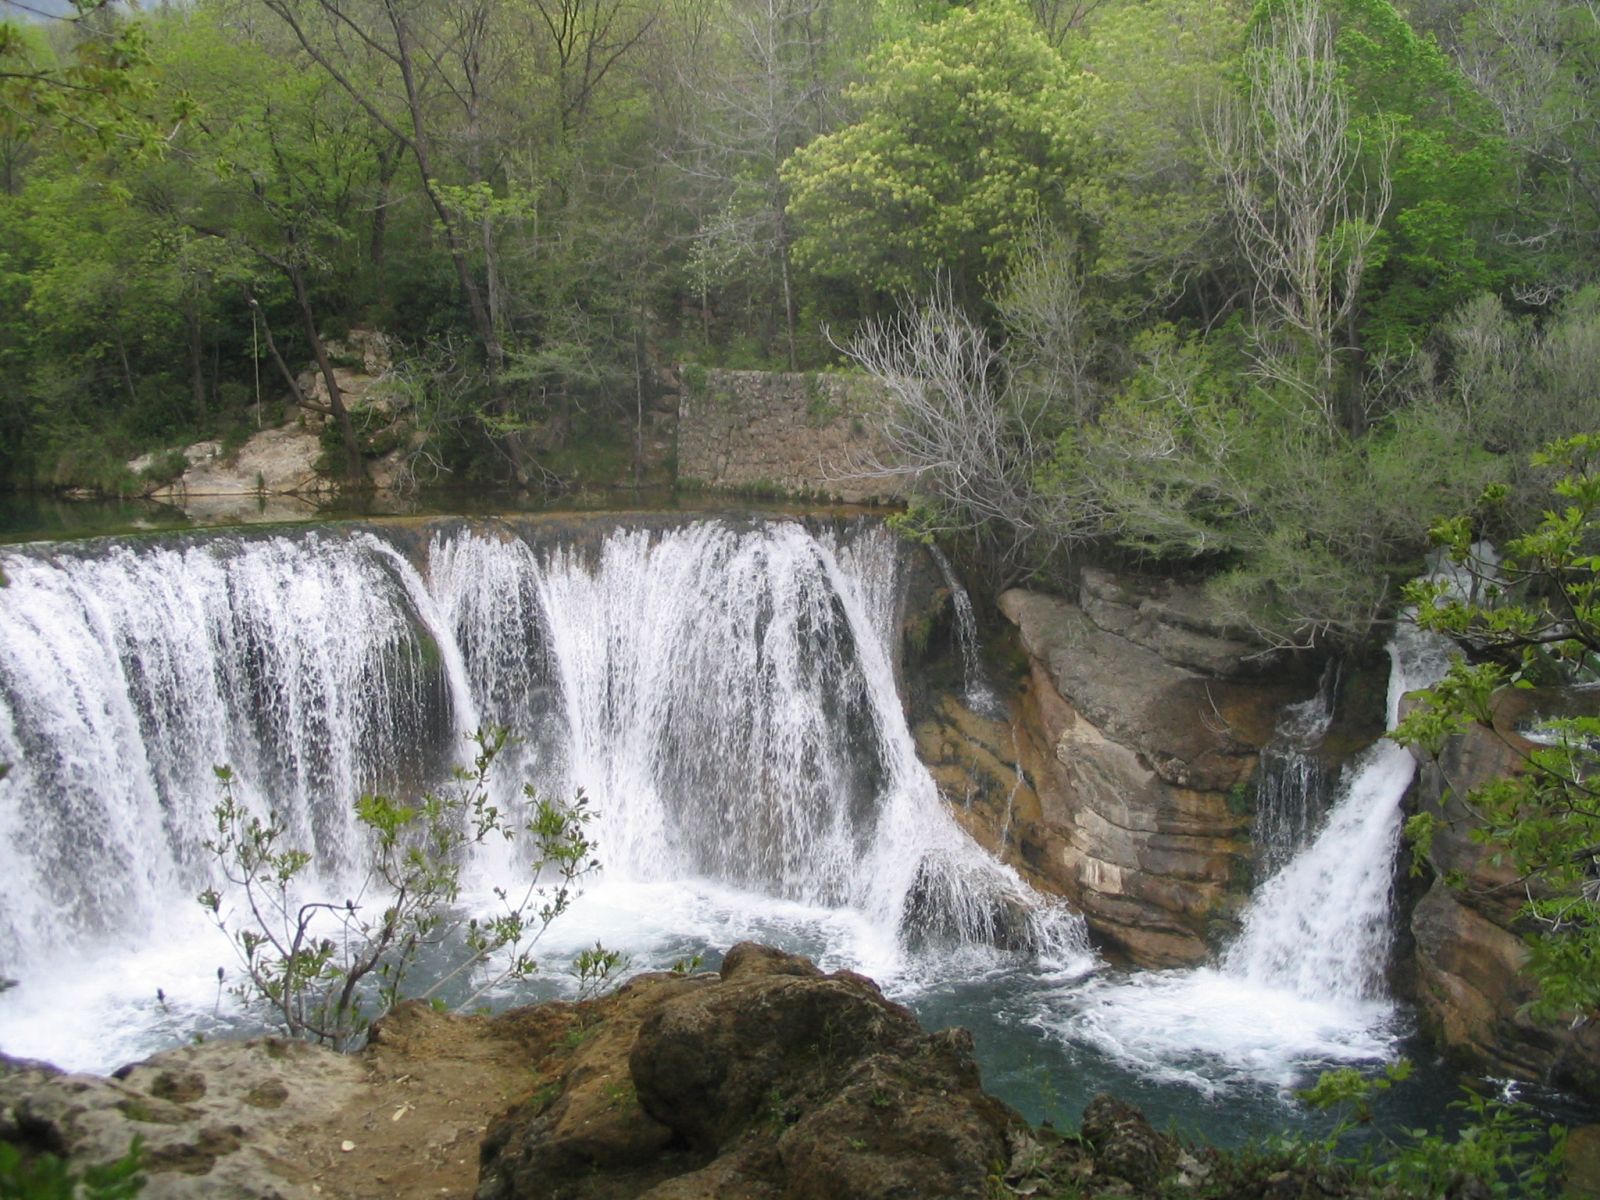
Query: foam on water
(725,696)
(1302,987)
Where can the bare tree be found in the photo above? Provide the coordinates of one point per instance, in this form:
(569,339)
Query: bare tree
(965,441)
(388,30)
(1060,18)
(1304,207)
(776,93)
(1536,62)
(1047,316)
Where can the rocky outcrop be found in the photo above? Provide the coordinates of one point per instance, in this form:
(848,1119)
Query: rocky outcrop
(1143,718)
(1468,929)
(272,1119)
(280,472)
(216,1121)
(773,432)
(769,1079)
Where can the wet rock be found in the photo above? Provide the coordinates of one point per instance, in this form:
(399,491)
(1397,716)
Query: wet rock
(1140,766)
(586,1134)
(1581,1163)
(776,1033)
(1470,941)
(916,1124)
(1126,1146)
(769,1079)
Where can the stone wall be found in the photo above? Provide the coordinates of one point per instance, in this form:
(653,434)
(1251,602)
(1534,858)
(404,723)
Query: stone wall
(793,433)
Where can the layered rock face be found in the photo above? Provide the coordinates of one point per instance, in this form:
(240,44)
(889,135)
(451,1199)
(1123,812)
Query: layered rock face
(1469,939)
(1144,716)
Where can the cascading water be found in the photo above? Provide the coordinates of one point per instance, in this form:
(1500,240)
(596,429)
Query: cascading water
(724,696)
(978,692)
(1291,795)
(1321,927)
(126,677)
(1302,985)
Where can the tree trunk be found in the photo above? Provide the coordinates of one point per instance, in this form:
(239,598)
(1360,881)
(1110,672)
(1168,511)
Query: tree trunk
(355,466)
(639,366)
(377,246)
(127,371)
(788,289)
(197,358)
(277,359)
(483,324)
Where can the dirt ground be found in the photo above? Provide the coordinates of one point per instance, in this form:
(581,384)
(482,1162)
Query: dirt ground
(434,1084)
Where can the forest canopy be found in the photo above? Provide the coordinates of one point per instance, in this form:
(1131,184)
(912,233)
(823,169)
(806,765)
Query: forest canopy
(1253,289)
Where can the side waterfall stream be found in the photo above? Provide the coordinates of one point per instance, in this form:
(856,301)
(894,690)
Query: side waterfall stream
(724,693)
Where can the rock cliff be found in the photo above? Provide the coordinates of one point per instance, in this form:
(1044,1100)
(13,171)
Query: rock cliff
(1467,928)
(1143,718)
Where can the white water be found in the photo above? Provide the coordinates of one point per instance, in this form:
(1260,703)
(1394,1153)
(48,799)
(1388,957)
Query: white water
(1291,796)
(724,697)
(978,692)
(1303,985)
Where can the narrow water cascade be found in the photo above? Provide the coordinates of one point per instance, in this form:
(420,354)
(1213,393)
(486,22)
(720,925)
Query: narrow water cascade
(1303,984)
(1321,927)
(978,691)
(723,694)
(1292,789)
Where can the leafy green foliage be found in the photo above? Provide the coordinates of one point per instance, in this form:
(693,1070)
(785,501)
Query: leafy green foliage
(92,88)
(1502,1150)
(1301,526)
(326,968)
(1534,619)
(46,1177)
(1142,182)
(959,145)
(1451,175)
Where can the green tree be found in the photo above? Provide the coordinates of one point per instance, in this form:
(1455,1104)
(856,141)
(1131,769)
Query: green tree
(960,143)
(771,85)
(1452,176)
(269,175)
(1144,194)
(87,82)
(1537,63)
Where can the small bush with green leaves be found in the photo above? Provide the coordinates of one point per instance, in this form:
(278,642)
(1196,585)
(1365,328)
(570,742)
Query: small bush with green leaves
(326,968)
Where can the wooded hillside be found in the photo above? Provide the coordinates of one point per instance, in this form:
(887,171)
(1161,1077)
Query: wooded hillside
(1258,288)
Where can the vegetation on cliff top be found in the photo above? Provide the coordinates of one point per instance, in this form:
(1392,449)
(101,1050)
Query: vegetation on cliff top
(1263,285)
(1532,618)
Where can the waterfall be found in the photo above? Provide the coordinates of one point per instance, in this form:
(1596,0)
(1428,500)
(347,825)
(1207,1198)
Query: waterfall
(127,674)
(1321,927)
(1303,984)
(978,692)
(1291,794)
(723,694)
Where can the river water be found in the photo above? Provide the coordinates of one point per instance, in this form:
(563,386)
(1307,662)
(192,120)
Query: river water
(722,690)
